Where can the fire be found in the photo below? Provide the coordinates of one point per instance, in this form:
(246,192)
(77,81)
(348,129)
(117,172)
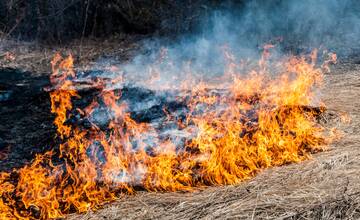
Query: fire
(229,134)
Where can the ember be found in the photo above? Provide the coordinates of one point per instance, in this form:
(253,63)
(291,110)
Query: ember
(212,134)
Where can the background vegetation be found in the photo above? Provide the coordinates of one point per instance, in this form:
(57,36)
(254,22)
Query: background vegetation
(61,20)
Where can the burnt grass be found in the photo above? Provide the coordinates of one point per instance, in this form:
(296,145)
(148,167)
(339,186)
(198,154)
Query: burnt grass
(26,126)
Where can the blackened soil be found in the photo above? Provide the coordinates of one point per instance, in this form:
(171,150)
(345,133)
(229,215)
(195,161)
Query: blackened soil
(26,126)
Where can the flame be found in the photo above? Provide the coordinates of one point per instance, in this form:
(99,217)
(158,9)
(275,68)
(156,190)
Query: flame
(61,97)
(259,121)
(9,56)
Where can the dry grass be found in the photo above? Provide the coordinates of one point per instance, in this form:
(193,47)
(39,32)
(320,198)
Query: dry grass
(326,187)
(35,58)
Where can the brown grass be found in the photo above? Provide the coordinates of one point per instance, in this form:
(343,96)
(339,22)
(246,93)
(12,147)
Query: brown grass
(35,57)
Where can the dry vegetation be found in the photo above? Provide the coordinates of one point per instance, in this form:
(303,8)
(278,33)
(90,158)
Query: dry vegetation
(74,19)
(35,58)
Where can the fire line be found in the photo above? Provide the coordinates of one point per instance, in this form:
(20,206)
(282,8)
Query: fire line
(223,136)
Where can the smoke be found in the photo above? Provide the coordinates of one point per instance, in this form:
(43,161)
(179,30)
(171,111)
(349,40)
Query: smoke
(241,31)
(328,23)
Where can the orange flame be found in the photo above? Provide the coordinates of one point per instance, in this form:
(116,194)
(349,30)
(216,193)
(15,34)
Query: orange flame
(260,121)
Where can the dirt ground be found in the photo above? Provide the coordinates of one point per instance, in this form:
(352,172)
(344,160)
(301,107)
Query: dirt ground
(325,187)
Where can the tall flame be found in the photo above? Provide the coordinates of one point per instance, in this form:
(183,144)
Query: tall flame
(257,122)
